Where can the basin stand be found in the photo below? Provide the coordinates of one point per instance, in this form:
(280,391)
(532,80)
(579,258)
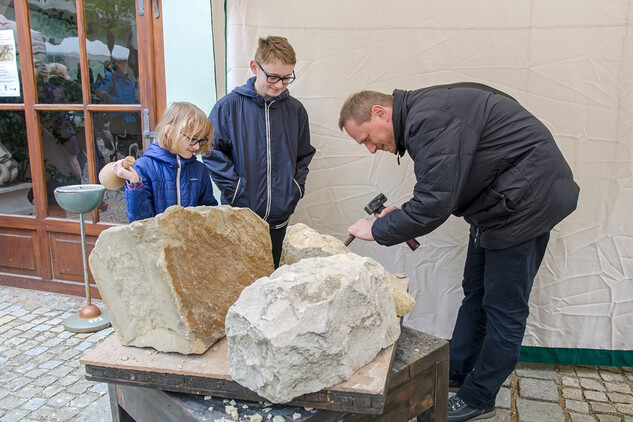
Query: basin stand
(90,318)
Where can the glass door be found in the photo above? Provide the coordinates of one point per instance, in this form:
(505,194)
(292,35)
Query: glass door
(86,65)
(81,81)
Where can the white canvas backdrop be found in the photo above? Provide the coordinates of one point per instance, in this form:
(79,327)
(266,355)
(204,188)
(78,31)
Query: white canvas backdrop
(570,62)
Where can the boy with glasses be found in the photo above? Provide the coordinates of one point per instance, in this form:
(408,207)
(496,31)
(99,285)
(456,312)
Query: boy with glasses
(263,141)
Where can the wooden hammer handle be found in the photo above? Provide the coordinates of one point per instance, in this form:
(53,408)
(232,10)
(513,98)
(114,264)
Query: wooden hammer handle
(128,162)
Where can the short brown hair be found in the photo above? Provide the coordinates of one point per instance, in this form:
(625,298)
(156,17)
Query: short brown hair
(274,48)
(358,106)
(184,118)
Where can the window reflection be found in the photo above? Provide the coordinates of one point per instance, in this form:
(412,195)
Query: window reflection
(16,193)
(56,48)
(64,150)
(112,144)
(113,55)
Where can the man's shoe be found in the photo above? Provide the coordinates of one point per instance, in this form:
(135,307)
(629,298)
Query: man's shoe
(458,411)
(454,386)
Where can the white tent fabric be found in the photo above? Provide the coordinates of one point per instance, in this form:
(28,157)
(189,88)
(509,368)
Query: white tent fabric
(569,62)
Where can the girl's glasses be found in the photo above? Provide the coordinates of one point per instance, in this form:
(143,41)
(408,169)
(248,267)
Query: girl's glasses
(193,141)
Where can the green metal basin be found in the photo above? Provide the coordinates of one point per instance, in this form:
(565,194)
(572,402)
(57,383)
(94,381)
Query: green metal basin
(79,198)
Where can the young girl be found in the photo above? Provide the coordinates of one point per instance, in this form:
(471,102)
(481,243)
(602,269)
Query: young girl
(168,173)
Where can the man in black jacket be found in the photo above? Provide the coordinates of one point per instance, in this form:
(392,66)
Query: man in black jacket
(478,154)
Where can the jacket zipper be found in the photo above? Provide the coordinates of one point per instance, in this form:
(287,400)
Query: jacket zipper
(268,163)
(178,180)
(477,235)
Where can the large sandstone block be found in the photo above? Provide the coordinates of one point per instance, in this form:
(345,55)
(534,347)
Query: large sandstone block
(167,282)
(310,325)
(303,242)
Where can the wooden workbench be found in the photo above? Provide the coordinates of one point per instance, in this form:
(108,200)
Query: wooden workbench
(417,386)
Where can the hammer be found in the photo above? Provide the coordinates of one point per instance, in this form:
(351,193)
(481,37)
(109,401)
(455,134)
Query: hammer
(376,206)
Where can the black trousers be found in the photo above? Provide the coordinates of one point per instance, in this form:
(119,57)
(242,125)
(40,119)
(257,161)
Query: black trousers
(277,238)
(486,342)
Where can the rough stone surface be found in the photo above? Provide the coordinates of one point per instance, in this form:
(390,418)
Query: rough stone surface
(403,301)
(303,242)
(310,325)
(168,281)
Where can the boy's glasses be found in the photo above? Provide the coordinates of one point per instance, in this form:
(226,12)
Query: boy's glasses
(273,79)
(193,141)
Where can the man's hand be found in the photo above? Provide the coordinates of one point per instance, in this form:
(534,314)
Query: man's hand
(361,229)
(385,211)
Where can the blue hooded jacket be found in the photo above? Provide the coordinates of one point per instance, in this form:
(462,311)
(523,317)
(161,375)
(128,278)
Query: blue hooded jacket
(161,172)
(262,152)
(120,90)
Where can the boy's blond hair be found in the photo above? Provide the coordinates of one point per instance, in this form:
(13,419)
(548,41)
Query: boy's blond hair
(274,48)
(184,119)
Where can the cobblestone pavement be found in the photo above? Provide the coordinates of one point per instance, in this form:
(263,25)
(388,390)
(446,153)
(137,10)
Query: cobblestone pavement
(41,378)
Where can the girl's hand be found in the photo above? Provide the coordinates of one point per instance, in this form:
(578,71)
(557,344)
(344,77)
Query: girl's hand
(125,173)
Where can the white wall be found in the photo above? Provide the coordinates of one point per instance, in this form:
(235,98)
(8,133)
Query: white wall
(189,62)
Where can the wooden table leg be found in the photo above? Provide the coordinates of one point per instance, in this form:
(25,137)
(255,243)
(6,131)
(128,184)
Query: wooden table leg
(439,411)
(118,413)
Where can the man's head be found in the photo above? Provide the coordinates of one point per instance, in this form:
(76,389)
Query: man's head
(367,117)
(273,66)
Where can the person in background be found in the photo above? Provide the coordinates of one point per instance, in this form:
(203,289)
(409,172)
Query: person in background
(58,75)
(118,88)
(479,154)
(168,173)
(263,141)
(57,130)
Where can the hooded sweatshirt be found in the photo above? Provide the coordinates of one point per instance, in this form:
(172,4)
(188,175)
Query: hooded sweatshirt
(262,152)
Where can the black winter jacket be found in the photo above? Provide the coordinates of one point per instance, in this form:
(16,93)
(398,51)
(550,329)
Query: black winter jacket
(478,154)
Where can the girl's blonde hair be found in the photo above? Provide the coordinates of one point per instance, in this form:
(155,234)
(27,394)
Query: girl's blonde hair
(184,119)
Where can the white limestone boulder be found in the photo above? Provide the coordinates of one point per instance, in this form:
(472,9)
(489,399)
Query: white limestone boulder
(302,242)
(310,325)
(167,282)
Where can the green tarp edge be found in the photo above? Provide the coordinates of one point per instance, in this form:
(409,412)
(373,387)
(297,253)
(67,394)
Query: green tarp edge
(576,356)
